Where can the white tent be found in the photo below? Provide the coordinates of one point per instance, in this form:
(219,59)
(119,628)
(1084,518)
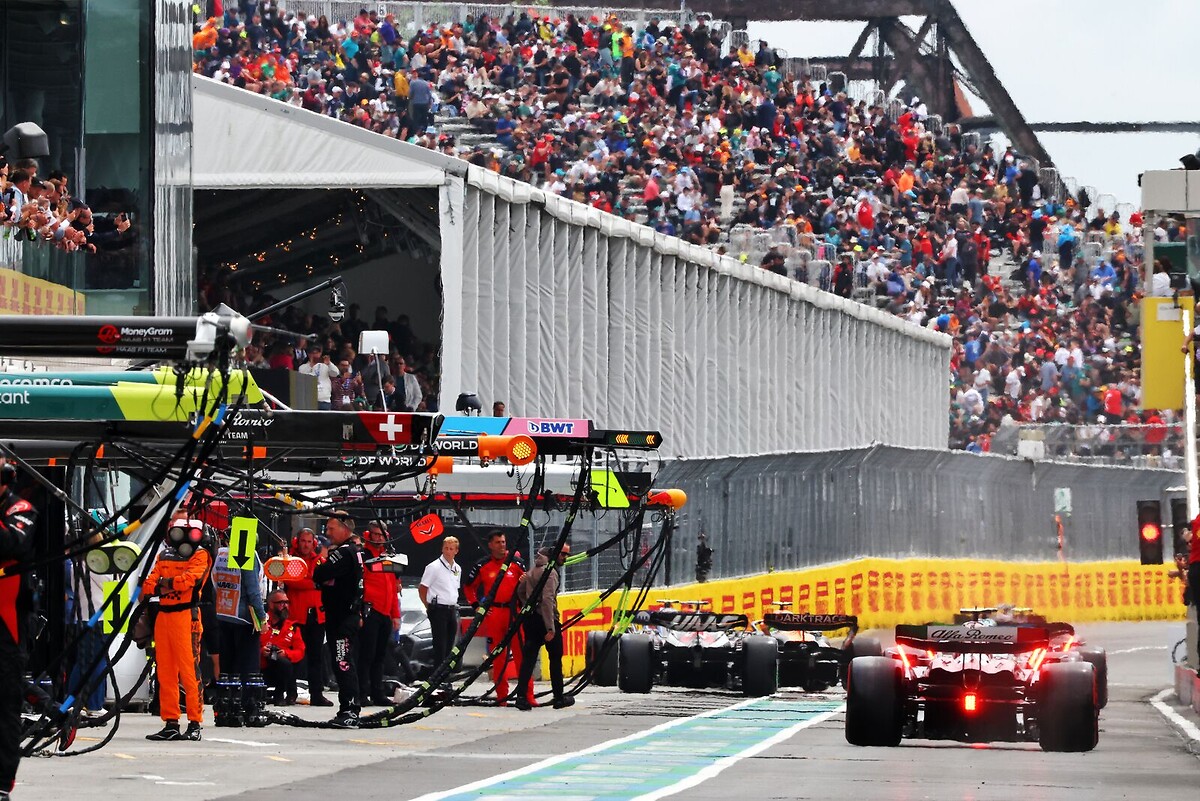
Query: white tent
(561,310)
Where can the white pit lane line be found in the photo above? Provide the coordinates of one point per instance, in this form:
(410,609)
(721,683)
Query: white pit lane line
(1182,723)
(495,784)
(717,767)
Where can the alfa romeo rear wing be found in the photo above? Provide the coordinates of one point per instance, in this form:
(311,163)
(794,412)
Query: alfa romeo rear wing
(973,639)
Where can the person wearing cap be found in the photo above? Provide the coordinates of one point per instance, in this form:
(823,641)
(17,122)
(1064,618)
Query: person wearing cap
(340,578)
(381,617)
(282,648)
(542,627)
(240,616)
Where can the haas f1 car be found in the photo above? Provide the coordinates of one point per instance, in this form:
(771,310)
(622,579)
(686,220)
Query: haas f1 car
(696,649)
(973,683)
(807,658)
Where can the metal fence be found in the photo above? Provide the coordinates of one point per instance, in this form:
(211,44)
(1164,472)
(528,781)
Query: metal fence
(413,16)
(1159,446)
(796,510)
(792,511)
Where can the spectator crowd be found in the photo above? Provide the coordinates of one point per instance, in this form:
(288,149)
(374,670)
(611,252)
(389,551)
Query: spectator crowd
(403,380)
(665,125)
(36,206)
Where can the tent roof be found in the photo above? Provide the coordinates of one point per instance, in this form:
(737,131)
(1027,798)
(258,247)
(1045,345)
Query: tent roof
(242,140)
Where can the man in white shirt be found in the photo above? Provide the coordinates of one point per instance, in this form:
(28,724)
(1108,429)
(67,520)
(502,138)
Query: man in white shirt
(983,382)
(320,368)
(1012,382)
(439,592)
(971,400)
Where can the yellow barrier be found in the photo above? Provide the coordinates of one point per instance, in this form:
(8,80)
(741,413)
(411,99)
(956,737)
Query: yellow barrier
(885,592)
(23,294)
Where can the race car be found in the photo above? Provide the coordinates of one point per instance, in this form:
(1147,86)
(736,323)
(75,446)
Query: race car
(974,683)
(1065,644)
(806,657)
(691,647)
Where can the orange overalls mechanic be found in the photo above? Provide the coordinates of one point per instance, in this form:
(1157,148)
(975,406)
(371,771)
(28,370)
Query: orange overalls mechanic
(477,583)
(176,579)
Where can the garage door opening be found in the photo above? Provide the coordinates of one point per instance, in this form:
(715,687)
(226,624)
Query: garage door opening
(254,247)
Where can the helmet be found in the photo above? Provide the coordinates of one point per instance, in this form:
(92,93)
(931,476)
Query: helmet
(185,537)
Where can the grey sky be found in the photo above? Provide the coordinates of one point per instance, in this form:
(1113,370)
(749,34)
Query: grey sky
(1103,60)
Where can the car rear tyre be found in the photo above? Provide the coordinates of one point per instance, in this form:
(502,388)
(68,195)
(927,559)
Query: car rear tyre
(1068,717)
(761,676)
(859,646)
(604,671)
(1098,659)
(635,663)
(874,714)
(866,646)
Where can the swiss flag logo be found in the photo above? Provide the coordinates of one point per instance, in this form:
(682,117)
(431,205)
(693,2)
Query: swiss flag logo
(426,528)
(388,428)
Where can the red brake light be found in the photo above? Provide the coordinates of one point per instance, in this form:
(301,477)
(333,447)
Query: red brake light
(970,702)
(1035,661)
(904,660)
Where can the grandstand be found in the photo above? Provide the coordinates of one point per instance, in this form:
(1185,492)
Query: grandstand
(690,129)
(677,137)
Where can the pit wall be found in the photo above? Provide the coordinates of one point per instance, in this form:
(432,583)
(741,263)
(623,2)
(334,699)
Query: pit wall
(886,592)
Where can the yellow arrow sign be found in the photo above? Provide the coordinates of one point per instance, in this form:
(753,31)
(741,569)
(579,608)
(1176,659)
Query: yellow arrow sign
(117,609)
(243,538)
(608,489)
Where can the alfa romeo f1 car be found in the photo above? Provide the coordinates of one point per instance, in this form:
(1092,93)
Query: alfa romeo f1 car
(807,658)
(1065,644)
(696,649)
(972,683)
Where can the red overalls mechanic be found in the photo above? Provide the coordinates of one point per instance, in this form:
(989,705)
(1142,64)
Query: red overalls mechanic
(477,583)
(282,648)
(16,549)
(307,613)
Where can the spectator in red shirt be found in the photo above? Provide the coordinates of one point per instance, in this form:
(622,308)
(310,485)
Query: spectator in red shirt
(1114,404)
(282,357)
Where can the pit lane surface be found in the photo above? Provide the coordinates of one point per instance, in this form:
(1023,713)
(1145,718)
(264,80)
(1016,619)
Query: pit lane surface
(698,745)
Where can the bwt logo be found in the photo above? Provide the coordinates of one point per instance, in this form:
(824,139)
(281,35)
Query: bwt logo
(551,427)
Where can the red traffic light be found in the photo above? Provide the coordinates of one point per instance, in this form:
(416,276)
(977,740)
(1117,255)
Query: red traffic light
(1150,543)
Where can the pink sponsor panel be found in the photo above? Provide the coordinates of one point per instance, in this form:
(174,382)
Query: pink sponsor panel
(546,427)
